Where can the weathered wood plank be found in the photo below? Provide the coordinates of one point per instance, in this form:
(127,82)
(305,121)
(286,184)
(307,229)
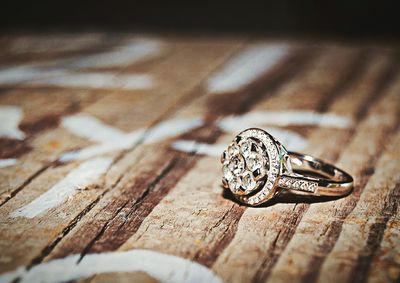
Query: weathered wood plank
(144,193)
(294,98)
(42,110)
(209,220)
(133,206)
(49,231)
(385,263)
(304,251)
(361,212)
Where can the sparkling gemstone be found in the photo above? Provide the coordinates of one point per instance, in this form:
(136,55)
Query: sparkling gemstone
(254,162)
(288,182)
(245,148)
(248,182)
(233,150)
(234,184)
(236,165)
(227,172)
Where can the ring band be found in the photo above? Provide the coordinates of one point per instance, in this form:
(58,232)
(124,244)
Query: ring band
(257,167)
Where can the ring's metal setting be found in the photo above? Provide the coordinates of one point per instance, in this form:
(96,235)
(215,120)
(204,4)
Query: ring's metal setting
(256,167)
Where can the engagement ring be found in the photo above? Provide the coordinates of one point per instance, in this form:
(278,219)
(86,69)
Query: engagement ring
(257,167)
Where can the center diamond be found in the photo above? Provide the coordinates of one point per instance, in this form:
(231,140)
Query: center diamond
(245,165)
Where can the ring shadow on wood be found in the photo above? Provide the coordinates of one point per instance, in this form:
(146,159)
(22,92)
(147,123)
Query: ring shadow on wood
(282,197)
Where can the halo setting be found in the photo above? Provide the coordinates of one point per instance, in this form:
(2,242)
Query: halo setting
(251,166)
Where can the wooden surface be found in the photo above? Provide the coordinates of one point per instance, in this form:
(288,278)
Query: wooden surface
(148,186)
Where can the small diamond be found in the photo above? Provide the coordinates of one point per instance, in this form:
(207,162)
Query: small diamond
(254,162)
(227,172)
(236,165)
(245,148)
(248,182)
(288,182)
(233,150)
(234,184)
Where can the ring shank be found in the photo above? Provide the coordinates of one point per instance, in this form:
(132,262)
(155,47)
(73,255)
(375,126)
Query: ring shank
(330,180)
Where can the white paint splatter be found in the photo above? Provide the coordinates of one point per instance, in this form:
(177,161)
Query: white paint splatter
(65,72)
(284,118)
(191,146)
(127,142)
(22,74)
(118,140)
(132,52)
(10,117)
(91,128)
(162,267)
(62,78)
(97,80)
(7,162)
(247,66)
(171,128)
(86,174)
(290,139)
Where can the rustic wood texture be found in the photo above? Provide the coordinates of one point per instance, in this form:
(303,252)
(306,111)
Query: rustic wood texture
(157,196)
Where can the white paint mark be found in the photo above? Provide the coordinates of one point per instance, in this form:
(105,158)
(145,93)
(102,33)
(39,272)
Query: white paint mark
(290,139)
(132,52)
(62,78)
(91,128)
(247,66)
(98,80)
(61,72)
(86,174)
(162,267)
(161,131)
(10,117)
(23,74)
(284,118)
(191,146)
(7,162)
(171,128)
(128,141)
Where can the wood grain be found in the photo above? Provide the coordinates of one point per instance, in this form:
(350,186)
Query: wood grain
(156,198)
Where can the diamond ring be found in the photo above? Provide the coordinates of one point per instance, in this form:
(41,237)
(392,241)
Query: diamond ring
(257,167)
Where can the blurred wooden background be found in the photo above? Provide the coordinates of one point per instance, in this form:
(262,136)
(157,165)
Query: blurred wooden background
(109,158)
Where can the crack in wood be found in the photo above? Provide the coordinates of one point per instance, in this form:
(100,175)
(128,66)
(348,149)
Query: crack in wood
(290,223)
(18,148)
(375,236)
(137,202)
(230,219)
(50,247)
(4,200)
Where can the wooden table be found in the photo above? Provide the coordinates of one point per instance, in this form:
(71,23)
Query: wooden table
(110,150)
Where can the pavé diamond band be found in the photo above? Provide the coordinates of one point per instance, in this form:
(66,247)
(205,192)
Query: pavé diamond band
(256,167)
